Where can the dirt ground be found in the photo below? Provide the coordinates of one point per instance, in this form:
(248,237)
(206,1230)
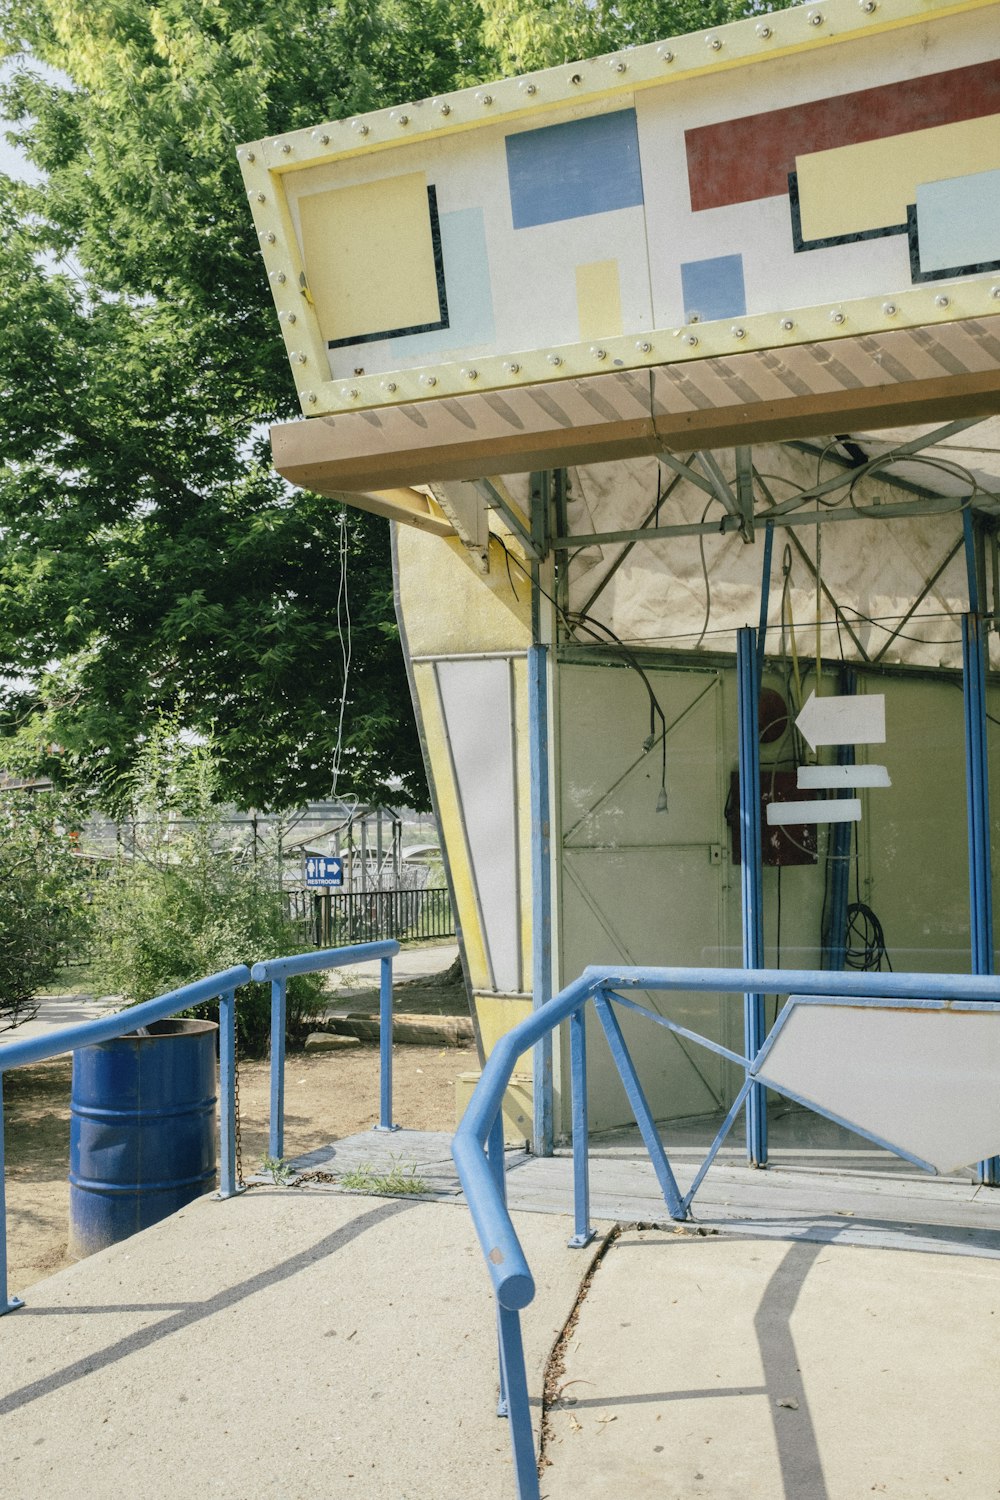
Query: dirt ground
(327,1096)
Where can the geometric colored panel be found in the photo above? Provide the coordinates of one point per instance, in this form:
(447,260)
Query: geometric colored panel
(467,278)
(372,258)
(864,190)
(925,1082)
(599,299)
(588,166)
(713,288)
(741,160)
(958,225)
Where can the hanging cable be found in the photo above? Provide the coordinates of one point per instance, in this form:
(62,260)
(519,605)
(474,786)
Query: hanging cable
(344,633)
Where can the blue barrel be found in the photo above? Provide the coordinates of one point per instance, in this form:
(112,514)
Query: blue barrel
(142,1130)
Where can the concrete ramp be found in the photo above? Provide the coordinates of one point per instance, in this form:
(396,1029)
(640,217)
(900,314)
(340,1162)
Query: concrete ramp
(289,1343)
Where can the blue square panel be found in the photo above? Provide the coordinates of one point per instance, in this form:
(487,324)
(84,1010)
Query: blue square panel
(567,171)
(713,288)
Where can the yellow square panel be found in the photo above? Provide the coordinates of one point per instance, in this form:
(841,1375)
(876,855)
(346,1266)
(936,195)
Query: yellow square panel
(866,187)
(599,299)
(372,258)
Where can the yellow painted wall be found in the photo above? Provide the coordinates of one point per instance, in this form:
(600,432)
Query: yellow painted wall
(450,608)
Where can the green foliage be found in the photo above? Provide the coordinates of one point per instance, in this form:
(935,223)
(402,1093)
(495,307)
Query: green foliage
(182,902)
(43,895)
(150,559)
(527,36)
(398,1182)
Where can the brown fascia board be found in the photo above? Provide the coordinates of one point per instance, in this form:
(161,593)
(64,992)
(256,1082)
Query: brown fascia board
(357,456)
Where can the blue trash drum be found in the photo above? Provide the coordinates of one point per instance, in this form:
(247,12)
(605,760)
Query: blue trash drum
(142,1130)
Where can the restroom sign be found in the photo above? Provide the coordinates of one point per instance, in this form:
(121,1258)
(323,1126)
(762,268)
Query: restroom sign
(324,869)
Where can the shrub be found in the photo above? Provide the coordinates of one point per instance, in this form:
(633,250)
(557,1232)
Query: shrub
(43,895)
(187,899)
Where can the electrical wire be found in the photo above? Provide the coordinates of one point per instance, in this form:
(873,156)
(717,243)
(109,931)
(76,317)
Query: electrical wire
(580,621)
(864,940)
(344,634)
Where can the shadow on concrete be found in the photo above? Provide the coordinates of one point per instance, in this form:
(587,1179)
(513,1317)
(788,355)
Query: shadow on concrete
(794,1432)
(190,1313)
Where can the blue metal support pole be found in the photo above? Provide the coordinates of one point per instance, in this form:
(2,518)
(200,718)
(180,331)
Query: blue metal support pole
(978,808)
(498,1171)
(640,1107)
(228,1186)
(583,1233)
(841,834)
(748,693)
(541,891)
(7,1302)
(519,1410)
(385,1046)
(276,1132)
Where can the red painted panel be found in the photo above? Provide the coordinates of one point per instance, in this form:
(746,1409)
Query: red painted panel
(740,160)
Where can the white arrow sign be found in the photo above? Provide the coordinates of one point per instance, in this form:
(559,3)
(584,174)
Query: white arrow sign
(850,720)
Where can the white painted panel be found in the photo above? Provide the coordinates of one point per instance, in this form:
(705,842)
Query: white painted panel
(927,1081)
(819,778)
(783,814)
(478,712)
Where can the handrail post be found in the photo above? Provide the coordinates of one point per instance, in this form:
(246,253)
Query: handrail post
(228,1187)
(7,1303)
(276,1131)
(495,1157)
(385,1047)
(583,1233)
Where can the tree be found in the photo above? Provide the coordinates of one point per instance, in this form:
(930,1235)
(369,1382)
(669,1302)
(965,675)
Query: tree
(150,560)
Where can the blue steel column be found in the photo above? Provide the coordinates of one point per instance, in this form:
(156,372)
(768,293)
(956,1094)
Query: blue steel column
(228,1186)
(385,1047)
(841,834)
(7,1303)
(276,1130)
(978,805)
(582,1231)
(748,693)
(541,886)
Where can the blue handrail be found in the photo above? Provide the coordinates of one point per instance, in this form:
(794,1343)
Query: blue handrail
(278,971)
(85,1033)
(475,1147)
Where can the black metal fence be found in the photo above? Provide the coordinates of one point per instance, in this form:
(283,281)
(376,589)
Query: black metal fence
(331,918)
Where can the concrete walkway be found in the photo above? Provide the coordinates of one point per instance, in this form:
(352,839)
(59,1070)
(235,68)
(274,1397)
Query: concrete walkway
(744,1369)
(301,1343)
(287,1343)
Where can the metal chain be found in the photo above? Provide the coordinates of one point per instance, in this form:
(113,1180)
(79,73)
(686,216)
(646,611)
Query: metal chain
(236,1098)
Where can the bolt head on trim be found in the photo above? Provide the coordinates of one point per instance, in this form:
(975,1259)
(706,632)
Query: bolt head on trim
(598,353)
(890,309)
(665,54)
(787,324)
